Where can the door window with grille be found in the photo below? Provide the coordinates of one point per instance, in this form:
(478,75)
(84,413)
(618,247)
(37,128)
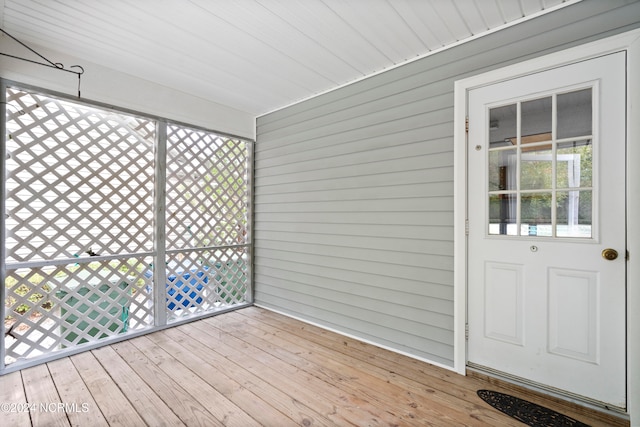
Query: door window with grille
(540,171)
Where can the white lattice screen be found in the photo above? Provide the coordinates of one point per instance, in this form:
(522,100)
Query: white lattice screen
(79,191)
(59,306)
(203,279)
(206,215)
(206,189)
(79,179)
(80,214)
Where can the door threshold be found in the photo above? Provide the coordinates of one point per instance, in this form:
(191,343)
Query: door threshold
(596,409)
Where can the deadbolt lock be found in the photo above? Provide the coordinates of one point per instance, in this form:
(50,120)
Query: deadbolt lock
(609,254)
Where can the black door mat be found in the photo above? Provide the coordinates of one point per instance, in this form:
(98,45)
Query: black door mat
(529,413)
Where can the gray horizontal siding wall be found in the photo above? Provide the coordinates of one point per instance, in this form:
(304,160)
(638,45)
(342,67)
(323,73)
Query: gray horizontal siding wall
(353,224)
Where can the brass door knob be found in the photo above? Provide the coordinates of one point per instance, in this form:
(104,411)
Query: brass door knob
(609,254)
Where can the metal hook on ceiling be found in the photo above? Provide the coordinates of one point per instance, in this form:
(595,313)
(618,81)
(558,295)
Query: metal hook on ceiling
(47,63)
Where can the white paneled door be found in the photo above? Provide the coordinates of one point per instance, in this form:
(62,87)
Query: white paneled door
(547,255)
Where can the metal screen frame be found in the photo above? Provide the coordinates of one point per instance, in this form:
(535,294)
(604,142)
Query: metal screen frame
(3,250)
(159,252)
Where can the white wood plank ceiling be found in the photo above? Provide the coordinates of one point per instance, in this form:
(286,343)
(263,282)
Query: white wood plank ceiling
(257,55)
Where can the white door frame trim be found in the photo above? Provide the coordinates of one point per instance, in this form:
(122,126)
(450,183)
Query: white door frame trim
(629,42)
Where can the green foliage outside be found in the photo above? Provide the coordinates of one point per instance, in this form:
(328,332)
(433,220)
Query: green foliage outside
(39,294)
(219,191)
(536,183)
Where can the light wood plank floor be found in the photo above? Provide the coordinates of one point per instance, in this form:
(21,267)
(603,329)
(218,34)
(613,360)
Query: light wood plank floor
(253,367)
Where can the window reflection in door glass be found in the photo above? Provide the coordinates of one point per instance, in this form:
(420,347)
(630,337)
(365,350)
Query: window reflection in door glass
(502,126)
(574,211)
(575,114)
(535,212)
(574,164)
(502,170)
(536,120)
(537,167)
(503,214)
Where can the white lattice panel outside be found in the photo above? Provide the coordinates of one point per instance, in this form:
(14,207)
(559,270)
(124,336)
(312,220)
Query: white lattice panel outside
(206,189)
(80,180)
(203,280)
(60,306)
(81,222)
